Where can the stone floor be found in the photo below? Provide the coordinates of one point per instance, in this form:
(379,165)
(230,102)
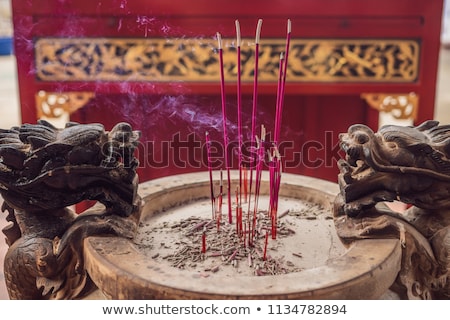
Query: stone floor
(10,116)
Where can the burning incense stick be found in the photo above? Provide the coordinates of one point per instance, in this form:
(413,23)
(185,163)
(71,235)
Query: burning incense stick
(286,51)
(224,119)
(249,225)
(283,72)
(255,78)
(211,183)
(239,105)
(278,101)
(255,99)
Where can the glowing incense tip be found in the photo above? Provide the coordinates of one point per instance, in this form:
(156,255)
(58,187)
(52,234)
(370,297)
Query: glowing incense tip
(289,27)
(238,33)
(219,40)
(258,31)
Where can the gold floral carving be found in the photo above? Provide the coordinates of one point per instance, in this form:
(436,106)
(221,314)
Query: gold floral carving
(55,104)
(196,60)
(400,106)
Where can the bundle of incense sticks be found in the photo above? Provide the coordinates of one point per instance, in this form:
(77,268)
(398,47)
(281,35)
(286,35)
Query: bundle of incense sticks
(257,145)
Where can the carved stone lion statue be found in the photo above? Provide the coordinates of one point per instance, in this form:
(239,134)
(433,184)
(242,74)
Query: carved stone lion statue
(407,164)
(43,172)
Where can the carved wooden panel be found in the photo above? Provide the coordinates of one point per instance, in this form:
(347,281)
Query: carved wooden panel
(133,59)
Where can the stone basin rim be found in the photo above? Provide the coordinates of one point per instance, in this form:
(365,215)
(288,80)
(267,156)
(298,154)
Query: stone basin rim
(365,271)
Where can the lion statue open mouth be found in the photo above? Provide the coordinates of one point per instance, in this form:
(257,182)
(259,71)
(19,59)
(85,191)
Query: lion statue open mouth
(44,171)
(410,165)
(43,167)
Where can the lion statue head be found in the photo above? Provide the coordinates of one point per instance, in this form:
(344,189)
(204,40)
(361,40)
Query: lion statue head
(409,164)
(44,168)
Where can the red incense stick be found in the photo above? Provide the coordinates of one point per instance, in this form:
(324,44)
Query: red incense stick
(245,174)
(283,83)
(239,105)
(259,167)
(238,205)
(278,108)
(255,78)
(224,119)
(203,241)
(275,187)
(260,153)
(221,192)
(255,99)
(266,241)
(286,51)
(271,183)
(237,219)
(245,235)
(211,183)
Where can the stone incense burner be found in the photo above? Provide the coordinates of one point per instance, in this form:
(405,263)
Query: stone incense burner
(354,247)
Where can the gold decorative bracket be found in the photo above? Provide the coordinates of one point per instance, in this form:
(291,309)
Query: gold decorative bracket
(400,105)
(57,104)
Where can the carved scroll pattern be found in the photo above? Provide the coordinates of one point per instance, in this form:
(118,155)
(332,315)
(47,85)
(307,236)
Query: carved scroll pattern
(106,59)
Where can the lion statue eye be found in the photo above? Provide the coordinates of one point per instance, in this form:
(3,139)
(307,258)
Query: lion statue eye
(361,137)
(391,145)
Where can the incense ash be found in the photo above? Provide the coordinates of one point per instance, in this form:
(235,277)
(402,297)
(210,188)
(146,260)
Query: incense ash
(182,239)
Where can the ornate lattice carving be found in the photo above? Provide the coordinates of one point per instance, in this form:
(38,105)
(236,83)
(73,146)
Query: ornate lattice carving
(103,59)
